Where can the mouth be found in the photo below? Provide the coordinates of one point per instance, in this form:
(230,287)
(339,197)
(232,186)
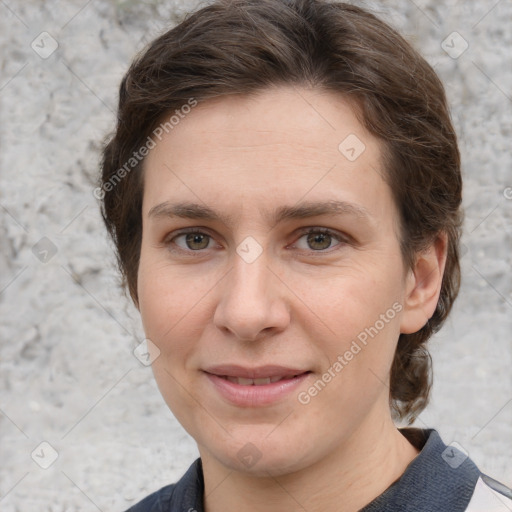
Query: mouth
(250,387)
(242,381)
(256,376)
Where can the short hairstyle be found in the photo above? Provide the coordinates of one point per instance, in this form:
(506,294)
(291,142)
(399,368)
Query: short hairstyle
(247,46)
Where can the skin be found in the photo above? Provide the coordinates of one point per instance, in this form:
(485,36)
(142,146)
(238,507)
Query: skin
(298,304)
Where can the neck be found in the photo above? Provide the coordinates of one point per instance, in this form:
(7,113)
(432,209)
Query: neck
(354,474)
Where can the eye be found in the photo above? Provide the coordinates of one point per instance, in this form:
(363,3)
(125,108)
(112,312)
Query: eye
(191,241)
(313,239)
(319,239)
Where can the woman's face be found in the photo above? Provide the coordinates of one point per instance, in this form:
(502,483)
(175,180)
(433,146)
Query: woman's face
(270,278)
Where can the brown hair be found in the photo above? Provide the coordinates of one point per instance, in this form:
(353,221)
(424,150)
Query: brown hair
(244,46)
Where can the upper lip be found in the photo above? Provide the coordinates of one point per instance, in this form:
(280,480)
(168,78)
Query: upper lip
(260,372)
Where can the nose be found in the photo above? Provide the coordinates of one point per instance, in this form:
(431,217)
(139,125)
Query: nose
(252,302)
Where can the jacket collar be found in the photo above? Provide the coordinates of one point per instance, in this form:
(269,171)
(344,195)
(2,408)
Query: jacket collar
(444,474)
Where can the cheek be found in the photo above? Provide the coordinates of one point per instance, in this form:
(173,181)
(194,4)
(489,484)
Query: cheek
(164,297)
(172,308)
(362,313)
(347,302)
(154,300)
(360,355)
(166,313)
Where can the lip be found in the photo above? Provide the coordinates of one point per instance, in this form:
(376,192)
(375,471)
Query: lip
(259,372)
(257,395)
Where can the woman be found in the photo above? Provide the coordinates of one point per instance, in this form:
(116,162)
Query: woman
(284,190)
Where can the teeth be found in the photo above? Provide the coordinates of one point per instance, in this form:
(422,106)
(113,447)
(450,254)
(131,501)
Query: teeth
(245,382)
(259,382)
(253,382)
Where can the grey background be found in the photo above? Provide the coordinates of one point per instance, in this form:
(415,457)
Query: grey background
(68,375)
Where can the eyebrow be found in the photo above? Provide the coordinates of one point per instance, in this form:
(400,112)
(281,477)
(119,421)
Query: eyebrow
(304,210)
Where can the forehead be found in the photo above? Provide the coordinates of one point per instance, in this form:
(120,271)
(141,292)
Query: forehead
(280,145)
(314,119)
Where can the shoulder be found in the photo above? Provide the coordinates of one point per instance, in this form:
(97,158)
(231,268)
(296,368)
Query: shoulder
(490,496)
(442,478)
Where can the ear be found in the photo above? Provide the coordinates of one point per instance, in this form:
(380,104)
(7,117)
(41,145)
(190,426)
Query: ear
(423,286)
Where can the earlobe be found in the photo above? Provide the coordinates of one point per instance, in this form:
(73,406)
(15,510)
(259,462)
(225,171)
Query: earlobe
(423,286)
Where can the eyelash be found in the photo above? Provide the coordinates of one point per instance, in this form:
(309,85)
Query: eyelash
(343,240)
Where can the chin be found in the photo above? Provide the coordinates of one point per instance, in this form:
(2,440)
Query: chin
(257,455)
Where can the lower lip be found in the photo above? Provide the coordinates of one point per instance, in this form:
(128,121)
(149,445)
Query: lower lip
(254,396)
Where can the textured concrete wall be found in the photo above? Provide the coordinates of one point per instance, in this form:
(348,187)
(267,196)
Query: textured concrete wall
(68,376)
